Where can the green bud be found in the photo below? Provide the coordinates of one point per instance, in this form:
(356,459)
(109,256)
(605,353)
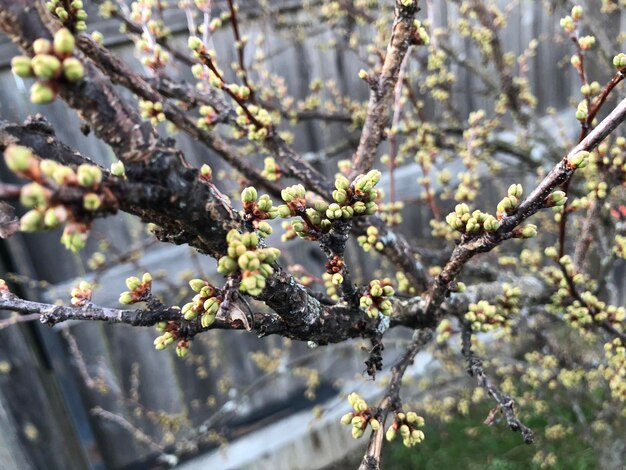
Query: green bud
(341,182)
(340,196)
(551,252)
(126,298)
(133,283)
(207,319)
(346,419)
(390,435)
(18,158)
(55,216)
(579,160)
(63,42)
(582,111)
(20,66)
(91,201)
(42,46)
(249,194)
(181,351)
(88,175)
(31,221)
(556,199)
(45,66)
(194,43)
(264,229)
(226,265)
(197,284)
(619,60)
(374,424)
(516,190)
(41,93)
(73,69)
(117,169)
(33,195)
(284,211)
(529,231)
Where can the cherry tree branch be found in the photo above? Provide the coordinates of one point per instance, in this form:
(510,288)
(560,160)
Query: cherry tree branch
(382,86)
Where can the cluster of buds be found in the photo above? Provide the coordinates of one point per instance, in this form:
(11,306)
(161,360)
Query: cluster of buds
(75,15)
(377,298)
(508,204)
(485,317)
(257,121)
(473,223)
(208,117)
(619,247)
(138,290)
(407,424)
(258,211)
(330,285)
(46,212)
(614,371)
(350,199)
(590,89)
(335,267)
(205,75)
(205,303)
(81,294)
(420,36)
(370,239)
(152,111)
(271,170)
(171,332)
(444,331)
(254,263)
(358,197)
(53,61)
(362,416)
(609,160)
(391,212)
(582,111)
(619,61)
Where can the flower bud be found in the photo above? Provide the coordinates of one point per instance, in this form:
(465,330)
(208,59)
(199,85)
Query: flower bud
(63,42)
(194,43)
(33,195)
(578,160)
(341,182)
(117,169)
(582,111)
(73,69)
(346,419)
(249,194)
(42,46)
(619,60)
(91,201)
(390,435)
(207,319)
(126,298)
(374,424)
(18,158)
(20,66)
(516,190)
(41,93)
(45,66)
(88,175)
(197,284)
(31,221)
